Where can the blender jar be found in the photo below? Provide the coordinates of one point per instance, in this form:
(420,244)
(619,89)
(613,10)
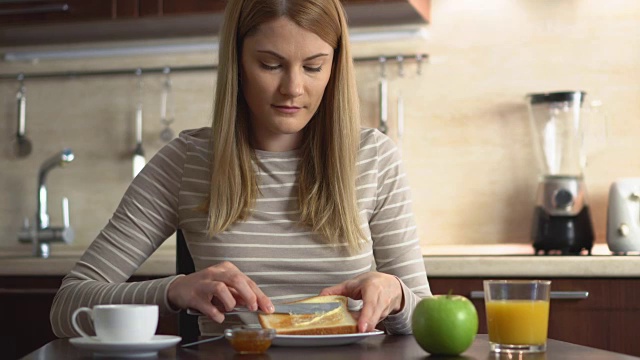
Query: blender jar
(561,219)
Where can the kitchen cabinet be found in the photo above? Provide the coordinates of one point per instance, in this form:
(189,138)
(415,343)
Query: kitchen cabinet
(173,7)
(607,319)
(25,12)
(29,12)
(25,302)
(38,22)
(21,13)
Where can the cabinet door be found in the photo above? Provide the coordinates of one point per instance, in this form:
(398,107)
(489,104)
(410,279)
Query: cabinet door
(211,6)
(25,303)
(605,320)
(371,1)
(175,7)
(24,312)
(54,11)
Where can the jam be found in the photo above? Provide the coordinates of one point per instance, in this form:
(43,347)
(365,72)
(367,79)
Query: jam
(250,341)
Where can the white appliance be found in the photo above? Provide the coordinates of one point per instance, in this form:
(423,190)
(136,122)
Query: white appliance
(623,216)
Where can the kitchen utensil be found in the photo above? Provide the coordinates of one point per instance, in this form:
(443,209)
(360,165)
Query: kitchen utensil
(400,105)
(562,220)
(383,97)
(138,153)
(22,146)
(623,216)
(400,120)
(303,308)
(419,59)
(202,341)
(166,103)
(400,60)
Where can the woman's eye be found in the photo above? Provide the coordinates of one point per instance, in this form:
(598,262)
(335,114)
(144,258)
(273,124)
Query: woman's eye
(270,67)
(313,69)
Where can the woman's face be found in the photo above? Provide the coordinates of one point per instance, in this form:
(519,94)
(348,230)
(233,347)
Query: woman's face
(284,71)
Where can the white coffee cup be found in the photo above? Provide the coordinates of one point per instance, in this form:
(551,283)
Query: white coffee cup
(122,323)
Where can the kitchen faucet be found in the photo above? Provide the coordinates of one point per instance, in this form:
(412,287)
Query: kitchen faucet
(43,234)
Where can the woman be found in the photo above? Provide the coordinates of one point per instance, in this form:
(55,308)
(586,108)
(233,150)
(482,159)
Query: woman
(284,197)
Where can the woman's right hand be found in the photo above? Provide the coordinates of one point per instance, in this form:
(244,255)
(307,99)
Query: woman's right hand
(217,289)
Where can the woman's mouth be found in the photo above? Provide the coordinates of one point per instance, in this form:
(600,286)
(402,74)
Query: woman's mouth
(287,109)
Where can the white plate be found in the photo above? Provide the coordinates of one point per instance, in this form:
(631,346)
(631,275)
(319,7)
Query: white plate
(322,340)
(146,348)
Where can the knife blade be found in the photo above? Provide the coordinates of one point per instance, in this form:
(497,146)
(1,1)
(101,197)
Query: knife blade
(294,309)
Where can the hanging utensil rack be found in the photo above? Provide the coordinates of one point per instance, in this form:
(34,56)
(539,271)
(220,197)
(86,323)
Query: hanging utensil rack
(419,58)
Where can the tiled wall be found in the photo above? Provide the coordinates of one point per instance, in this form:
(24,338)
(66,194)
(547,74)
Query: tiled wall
(467,146)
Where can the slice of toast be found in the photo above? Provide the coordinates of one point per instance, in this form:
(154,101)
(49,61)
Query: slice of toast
(337,321)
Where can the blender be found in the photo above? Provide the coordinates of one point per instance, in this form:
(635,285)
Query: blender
(561,221)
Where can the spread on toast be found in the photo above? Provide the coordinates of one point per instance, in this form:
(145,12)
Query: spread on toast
(337,321)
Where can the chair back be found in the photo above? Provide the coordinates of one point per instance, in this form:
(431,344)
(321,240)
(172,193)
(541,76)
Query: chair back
(187,324)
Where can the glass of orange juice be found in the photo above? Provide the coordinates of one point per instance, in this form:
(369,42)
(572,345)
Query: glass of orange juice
(517,314)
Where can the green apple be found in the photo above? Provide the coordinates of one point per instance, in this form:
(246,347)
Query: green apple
(445,324)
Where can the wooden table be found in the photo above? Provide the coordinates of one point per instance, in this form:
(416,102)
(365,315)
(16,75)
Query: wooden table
(374,348)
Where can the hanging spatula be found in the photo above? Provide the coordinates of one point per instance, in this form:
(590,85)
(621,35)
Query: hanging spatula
(166,108)
(383,97)
(22,146)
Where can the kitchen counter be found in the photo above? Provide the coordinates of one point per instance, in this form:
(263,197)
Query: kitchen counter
(17,263)
(518,260)
(509,260)
(604,266)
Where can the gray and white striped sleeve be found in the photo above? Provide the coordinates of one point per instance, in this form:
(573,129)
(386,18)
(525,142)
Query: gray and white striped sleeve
(393,231)
(145,217)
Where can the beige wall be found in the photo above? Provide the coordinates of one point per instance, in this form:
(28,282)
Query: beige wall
(467,145)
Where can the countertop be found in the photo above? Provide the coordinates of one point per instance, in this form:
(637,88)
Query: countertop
(518,260)
(506,260)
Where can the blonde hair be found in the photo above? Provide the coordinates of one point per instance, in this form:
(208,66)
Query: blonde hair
(327,176)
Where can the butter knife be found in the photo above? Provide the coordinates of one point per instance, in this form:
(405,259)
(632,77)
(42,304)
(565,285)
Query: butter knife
(299,309)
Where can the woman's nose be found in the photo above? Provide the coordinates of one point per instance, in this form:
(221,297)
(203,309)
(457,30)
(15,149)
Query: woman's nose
(292,84)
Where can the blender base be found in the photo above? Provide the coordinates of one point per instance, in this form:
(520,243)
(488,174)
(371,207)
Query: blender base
(563,235)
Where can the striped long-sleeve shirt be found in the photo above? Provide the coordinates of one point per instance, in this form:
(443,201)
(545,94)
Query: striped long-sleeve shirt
(286,259)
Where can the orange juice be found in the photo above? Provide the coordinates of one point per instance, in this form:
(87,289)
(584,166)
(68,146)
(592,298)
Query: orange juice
(518,322)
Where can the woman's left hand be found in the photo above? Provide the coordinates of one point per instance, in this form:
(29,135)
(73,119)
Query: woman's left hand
(380,293)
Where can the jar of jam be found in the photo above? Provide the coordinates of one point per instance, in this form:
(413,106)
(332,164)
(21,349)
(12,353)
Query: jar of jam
(249,339)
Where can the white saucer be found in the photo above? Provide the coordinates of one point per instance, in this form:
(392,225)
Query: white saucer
(140,349)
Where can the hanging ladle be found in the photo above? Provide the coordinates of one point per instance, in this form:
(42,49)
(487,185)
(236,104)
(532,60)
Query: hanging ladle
(383,97)
(22,146)
(138,154)
(166,102)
